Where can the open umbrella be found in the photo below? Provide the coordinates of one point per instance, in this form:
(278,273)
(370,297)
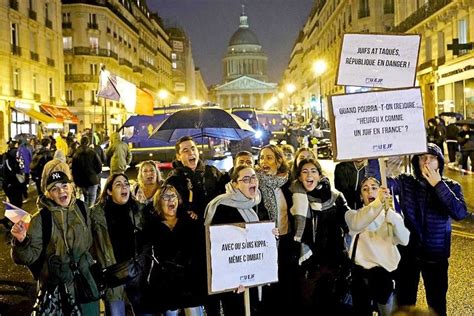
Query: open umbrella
(202,122)
(469,122)
(456,115)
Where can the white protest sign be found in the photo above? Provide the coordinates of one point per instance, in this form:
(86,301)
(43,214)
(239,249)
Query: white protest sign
(241,255)
(378,124)
(376,60)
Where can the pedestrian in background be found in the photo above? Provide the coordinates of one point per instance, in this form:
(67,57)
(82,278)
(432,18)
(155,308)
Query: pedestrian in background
(428,201)
(39,160)
(24,156)
(452,134)
(466,141)
(86,167)
(13,184)
(118,155)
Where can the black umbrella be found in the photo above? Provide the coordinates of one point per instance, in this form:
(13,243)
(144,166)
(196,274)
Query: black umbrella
(203,122)
(469,122)
(456,115)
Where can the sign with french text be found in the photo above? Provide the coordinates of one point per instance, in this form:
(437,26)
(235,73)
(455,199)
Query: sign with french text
(240,254)
(378,60)
(377,124)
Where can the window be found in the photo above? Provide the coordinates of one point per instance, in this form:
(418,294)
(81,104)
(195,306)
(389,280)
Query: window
(94,69)
(440,44)
(50,87)
(49,48)
(31,5)
(94,44)
(94,97)
(92,18)
(16,79)
(46,11)
(173,56)
(428,49)
(14,34)
(67,42)
(67,69)
(69,96)
(364,10)
(388,7)
(33,42)
(35,83)
(66,17)
(463,34)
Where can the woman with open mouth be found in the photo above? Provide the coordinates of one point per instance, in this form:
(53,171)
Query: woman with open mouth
(148,182)
(320,228)
(377,232)
(117,222)
(175,275)
(237,205)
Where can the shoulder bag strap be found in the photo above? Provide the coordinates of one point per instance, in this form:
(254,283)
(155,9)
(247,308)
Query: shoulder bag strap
(354,249)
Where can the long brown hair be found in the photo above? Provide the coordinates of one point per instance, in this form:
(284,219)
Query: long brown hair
(279,157)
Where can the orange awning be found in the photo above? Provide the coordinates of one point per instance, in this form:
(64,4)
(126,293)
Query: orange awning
(60,113)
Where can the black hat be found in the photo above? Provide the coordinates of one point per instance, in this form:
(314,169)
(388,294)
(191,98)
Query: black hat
(56,177)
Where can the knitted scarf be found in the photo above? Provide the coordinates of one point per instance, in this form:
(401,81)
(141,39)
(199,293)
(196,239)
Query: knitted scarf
(267,185)
(233,198)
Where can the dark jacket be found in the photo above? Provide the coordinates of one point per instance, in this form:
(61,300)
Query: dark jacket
(86,167)
(428,210)
(11,168)
(39,160)
(206,182)
(466,140)
(180,279)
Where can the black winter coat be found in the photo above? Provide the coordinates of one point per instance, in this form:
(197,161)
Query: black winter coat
(86,166)
(206,182)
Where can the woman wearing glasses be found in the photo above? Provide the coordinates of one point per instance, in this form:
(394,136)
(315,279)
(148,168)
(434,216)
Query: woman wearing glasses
(174,280)
(235,206)
(117,224)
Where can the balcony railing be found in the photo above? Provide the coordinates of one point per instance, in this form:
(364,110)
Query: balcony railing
(147,65)
(32,14)
(48,23)
(17,93)
(123,61)
(70,102)
(67,25)
(16,50)
(50,61)
(37,97)
(425,11)
(92,26)
(86,51)
(34,56)
(14,4)
(81,78)
(137,69)
(144,43)
(52,99)
(425,65)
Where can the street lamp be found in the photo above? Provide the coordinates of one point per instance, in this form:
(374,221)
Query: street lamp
(162,94)
(319,67)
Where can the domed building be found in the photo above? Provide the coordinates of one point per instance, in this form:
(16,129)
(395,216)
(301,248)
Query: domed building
(245,71)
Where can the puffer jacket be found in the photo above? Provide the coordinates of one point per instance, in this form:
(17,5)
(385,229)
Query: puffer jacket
(56,267)
(102,248)
(205,182)
(119,154)
(428,210)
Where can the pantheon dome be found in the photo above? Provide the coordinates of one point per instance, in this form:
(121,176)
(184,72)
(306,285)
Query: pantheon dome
(244,55)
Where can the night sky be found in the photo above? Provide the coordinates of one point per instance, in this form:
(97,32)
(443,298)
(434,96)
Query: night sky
(210,24)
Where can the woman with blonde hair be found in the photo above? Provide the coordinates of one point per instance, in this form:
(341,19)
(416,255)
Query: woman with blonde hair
(148,182)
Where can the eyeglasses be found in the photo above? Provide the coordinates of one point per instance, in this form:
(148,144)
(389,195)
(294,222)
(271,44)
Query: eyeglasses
(248,179)
(169,197)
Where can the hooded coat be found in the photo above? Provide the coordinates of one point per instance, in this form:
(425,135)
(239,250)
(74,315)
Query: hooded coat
(118,154)
(428,210)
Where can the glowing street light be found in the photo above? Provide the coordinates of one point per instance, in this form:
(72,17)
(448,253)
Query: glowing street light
(184,100)
(290,88)
(319,67)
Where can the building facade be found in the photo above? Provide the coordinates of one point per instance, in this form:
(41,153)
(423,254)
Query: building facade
(320,40)
(31,66)
(125,38)
(245,71)
(445,71)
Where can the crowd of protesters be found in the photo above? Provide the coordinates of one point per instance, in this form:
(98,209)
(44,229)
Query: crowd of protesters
(323,232)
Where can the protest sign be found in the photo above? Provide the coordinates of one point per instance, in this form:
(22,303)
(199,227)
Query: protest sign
(240,254)
(376,60)
(377,124)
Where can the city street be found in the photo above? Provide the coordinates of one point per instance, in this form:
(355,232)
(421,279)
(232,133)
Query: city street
(17,288)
